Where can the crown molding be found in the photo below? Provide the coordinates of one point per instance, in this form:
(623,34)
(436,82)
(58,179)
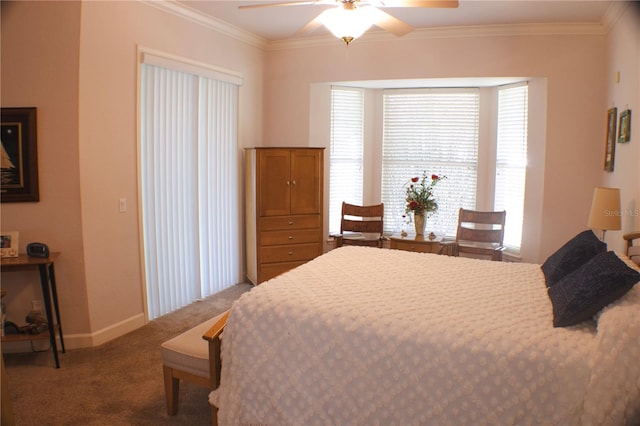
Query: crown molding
(207,21)
(508,30)
(613,13)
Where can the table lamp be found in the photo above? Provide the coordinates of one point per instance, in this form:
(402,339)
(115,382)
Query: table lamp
(605,210)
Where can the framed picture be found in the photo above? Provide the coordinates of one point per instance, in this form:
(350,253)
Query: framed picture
(624,128)
(610,147)
(9,243)
(19,171)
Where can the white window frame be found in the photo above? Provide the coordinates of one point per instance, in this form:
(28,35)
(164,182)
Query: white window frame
(511,160)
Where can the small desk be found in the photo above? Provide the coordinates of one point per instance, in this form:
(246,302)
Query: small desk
(49,293)
(417,243)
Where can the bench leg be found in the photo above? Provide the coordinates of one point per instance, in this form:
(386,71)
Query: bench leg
(214,415)
(171,390)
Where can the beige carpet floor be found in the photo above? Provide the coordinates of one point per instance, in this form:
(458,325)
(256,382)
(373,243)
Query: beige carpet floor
(118,383)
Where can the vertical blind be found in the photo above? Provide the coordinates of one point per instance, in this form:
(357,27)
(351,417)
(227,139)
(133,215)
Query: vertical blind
(189,186)
(346,157)
(511,160)
(435,131)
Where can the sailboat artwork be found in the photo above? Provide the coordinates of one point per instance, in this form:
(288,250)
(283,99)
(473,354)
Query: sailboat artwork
(9,173)
(18,156)
(6,161)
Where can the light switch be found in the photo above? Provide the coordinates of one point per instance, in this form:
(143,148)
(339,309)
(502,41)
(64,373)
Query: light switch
(123,205)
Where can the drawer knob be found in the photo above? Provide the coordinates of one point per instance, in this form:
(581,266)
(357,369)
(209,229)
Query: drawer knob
(290,253)
(290,237)
(290,222)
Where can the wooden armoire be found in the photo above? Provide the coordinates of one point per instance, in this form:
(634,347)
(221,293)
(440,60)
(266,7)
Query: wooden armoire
(283,201)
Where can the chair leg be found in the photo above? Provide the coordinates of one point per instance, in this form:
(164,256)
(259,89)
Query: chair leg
(171,390)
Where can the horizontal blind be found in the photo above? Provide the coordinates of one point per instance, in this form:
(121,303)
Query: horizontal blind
(436,131)
(346,157)
(511,160)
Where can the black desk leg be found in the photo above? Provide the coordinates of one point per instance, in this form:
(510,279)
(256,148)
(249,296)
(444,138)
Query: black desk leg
(54,293)
(44,282)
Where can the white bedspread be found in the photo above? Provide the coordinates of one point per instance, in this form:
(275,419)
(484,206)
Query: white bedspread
(364,336)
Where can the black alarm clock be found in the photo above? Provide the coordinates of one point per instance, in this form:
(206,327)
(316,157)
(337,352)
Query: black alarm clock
(37,250)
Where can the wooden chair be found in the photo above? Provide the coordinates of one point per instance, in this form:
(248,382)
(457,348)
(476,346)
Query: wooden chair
(479,233)
(633,251)
(361,225)
(193,356)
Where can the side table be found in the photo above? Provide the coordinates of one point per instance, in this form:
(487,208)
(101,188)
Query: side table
(49,293)
(417,243)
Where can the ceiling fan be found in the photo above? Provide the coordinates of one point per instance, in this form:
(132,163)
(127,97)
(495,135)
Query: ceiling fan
(349,19)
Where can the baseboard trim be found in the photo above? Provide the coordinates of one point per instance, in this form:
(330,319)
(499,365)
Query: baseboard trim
(111,332)
(81,340)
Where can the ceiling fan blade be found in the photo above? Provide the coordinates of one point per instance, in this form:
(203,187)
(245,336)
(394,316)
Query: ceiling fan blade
(286,3)
(389,23)
(415,3)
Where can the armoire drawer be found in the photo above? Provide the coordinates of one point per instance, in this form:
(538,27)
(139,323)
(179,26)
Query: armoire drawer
(270,270)
(290,222)
(293,236)
(290,253)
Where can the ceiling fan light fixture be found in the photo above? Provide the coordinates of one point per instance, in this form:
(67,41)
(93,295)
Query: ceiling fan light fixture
(348,22)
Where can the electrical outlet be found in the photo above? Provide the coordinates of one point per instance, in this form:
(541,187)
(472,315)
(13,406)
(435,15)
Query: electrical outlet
(123,205)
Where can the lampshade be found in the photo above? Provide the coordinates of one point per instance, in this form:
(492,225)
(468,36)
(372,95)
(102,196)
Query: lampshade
(347,22)
(605,209)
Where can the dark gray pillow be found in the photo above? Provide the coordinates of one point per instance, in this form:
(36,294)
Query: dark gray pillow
(575,253)
(584,292)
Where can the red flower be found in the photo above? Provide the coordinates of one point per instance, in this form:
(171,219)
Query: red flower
(419,194)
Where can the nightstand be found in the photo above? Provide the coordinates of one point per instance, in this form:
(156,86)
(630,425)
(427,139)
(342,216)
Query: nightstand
(49,294)
(417,243)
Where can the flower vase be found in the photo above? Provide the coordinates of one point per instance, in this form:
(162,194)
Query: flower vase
(419,221)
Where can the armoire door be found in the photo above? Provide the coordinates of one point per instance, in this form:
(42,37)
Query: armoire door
(305,181)
(274,182)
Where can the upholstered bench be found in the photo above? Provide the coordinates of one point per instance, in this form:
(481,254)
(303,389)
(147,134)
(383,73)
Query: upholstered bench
(187,357)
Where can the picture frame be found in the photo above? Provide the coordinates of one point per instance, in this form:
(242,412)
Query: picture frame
(19,168)
(610,146)
(9,242)
(624,128)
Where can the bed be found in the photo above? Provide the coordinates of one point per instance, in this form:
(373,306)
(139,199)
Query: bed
(365,336)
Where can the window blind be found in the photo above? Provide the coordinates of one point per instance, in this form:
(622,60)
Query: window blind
(511,160)
(189,189)
(432,130)
(346,156)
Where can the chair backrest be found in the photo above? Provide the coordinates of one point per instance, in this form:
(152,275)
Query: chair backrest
(364,219)
(633,251)
(482,227)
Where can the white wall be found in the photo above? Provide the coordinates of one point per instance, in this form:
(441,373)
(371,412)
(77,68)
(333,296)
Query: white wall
(76,62)
(571,64)
(623,60)
(108,150)
(40,47)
